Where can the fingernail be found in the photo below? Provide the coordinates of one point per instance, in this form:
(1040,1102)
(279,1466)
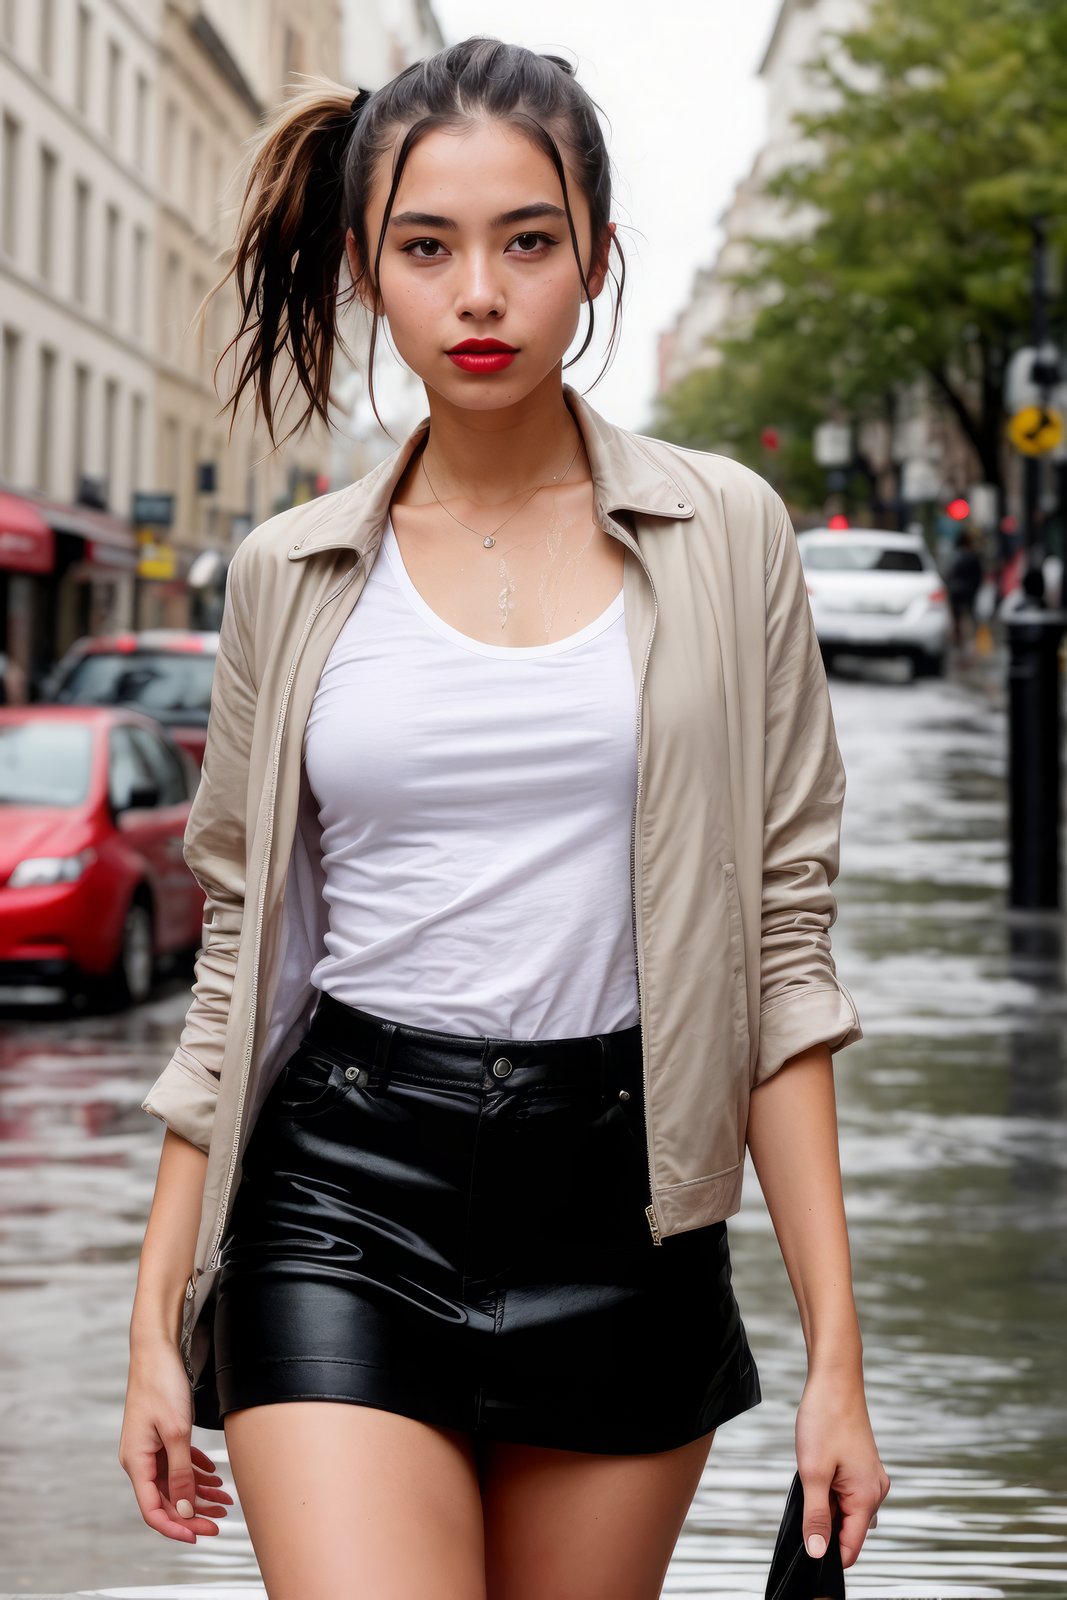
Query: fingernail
(816,1546)
(184,1508)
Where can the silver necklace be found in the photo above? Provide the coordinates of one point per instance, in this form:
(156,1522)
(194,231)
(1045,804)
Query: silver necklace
(489,539)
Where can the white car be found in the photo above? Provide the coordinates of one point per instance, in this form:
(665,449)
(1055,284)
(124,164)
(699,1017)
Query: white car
(876,593)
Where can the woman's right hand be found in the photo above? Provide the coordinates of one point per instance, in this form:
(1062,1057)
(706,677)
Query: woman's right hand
(169,1474)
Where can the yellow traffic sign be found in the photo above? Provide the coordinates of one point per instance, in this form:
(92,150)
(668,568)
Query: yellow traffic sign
(155,558)
(1035,430)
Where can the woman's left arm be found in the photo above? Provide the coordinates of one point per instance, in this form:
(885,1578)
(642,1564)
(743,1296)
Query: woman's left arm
(801,1182)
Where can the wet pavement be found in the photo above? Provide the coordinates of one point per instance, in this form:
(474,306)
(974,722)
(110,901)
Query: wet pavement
(952,1112)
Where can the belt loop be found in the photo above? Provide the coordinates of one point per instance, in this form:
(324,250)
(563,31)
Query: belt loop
(381,1053)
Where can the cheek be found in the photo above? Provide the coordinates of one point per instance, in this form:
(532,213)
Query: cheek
(552,300)
(410,306)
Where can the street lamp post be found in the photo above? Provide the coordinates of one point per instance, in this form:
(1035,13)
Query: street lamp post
(1035,634)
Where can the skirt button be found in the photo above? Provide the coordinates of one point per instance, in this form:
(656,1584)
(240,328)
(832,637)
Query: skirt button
(624,1094)
(501,1067)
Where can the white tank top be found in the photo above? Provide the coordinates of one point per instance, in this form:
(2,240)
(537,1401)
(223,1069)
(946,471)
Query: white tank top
(476,804)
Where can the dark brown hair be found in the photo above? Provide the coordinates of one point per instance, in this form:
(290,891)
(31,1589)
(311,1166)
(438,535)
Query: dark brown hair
(312,171)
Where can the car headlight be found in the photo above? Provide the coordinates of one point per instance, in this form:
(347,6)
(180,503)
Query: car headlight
(40,872)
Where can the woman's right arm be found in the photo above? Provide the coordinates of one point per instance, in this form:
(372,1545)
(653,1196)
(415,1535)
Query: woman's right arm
(170,1476)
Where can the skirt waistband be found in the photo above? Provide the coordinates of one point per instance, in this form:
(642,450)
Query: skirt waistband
(383,1048)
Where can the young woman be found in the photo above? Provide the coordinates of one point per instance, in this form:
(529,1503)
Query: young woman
(518,817)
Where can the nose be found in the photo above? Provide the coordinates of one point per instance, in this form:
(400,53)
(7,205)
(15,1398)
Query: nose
(480,292)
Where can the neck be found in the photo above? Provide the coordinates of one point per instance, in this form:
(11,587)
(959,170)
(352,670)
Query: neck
(488,457)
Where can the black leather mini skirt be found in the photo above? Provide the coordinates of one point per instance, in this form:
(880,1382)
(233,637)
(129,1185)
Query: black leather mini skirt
(454,1228)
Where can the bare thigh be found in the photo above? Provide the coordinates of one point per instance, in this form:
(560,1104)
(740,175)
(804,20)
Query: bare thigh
(583,1527)
(345,1501)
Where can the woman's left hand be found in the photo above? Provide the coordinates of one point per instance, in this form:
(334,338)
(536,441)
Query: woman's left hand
(838,1462)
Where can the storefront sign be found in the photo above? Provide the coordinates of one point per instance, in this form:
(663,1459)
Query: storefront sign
(115,557)
(153,510)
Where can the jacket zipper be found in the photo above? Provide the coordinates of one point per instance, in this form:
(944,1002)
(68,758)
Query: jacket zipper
(650,1209)
(216,1242)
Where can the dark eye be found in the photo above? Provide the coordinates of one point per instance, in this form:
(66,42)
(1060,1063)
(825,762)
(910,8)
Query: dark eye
(424,249)
(529,243)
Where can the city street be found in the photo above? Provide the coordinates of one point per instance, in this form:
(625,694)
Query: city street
(953,1113)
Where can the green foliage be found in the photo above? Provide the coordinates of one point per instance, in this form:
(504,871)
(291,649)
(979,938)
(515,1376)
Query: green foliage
(945,139)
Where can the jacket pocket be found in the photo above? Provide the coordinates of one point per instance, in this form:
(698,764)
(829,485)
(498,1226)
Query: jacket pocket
(738,969)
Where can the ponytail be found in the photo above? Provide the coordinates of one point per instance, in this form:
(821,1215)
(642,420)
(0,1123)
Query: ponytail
(288,253)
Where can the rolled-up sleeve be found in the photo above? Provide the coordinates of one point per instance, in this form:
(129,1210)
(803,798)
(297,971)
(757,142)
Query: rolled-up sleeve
(802,1001)
(185,1093)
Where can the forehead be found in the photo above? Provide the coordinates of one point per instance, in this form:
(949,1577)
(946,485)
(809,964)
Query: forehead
(479,169)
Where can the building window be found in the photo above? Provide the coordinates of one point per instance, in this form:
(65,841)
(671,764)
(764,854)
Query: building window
(217,192)
(81,241)
(141,104)
(80,435)
(140,269)
(47,202)
(46,417)
(111,264)
(195,452)
(114,90)
(111,428)
(46,38)
(171,463)
(9,161)
(82,66)
(292,53)
(195,196)
(173,309)
(137,474)
(198,324)
(10,382)
(170,140)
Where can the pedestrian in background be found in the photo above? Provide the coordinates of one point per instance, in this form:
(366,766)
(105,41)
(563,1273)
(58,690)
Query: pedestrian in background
(518,819)
(963,581)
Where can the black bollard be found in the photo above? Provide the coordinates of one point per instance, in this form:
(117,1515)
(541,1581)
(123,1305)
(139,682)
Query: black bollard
(1034,757)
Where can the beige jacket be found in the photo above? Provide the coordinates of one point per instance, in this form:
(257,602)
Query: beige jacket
(735,838)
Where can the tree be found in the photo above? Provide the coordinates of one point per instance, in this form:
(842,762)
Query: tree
(943,143)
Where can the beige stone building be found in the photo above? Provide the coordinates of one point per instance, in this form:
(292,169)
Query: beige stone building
(926,448)
(77,305)
(222,65)
(124,137)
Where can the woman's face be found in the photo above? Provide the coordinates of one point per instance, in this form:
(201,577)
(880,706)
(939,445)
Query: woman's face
(478,251)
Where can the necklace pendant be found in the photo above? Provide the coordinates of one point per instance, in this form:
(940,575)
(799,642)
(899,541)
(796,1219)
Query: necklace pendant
(489,541)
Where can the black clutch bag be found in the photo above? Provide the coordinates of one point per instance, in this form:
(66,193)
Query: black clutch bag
(795,1575)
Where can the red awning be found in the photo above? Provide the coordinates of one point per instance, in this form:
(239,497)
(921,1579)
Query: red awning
(109,540)
(27,543)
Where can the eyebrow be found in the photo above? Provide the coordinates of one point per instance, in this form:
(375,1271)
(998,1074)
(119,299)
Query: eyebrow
(427,219)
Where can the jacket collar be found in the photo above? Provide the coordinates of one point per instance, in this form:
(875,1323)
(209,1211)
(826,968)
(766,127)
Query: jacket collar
(626,477)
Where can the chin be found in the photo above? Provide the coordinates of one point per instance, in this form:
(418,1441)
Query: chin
(491,392)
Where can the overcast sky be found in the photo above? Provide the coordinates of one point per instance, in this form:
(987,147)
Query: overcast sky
(677,81)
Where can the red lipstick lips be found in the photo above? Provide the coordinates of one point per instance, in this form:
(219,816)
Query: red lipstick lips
(482,355)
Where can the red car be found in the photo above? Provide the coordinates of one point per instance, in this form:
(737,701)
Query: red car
(164,672)
(94,888)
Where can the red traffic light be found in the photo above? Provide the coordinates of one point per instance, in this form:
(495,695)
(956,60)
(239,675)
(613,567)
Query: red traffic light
(959,510)
(838,521)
